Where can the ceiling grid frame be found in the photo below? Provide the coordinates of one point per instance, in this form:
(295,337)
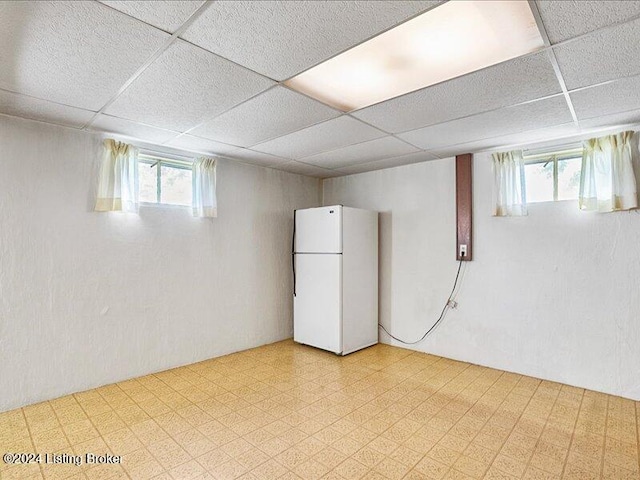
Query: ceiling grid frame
(491,110)
(282,83)
(108,4)
(394,135)
(344,116)
(163,48)
(42,99)
(329,57)
(548,48)
(552,58)
(365,40)
(276,84)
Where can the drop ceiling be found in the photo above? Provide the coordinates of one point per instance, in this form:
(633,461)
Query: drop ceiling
(208,78)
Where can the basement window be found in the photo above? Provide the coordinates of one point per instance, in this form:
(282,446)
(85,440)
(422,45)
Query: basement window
(164,181)
(553,176)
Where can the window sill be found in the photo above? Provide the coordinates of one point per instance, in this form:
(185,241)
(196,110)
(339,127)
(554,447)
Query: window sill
(547,202)
(165,206)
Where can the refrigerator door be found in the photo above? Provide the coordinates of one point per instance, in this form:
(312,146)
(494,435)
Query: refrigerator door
(317,306)
(318,230)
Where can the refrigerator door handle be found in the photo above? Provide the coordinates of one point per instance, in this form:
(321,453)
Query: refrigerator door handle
(293,253)
(293,267)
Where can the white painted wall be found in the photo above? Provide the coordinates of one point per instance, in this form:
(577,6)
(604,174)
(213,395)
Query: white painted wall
(90,298)
(554,295)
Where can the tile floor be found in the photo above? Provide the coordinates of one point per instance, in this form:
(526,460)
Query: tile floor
(292,412)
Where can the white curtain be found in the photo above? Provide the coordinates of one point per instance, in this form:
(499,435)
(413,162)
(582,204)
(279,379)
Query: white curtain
(607,181)
(509,195)
(118,181)
(204,187)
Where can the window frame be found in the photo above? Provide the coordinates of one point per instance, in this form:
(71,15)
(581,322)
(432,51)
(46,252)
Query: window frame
(554,156)
(155,160)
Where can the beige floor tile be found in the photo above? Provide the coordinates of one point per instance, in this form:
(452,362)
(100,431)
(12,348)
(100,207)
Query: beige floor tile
(188,471)
(533,473)
(122,441)
(309,445)
(470,466)
(391,469)
(296,413)
(406,456)
(384,445)
(20,472)
(431,468)
(268,470)
(495,474)
(144,471)
(330,457)
(548,464)
(368,457)
(509,465)
(351,469)
(611,472)
(172,458)
(575,472)
(444,455)
(292,457)
(311,469)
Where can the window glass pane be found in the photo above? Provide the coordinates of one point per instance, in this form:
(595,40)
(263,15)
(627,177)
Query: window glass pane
(175,186)
(569,178)
(539,182)
(147,182)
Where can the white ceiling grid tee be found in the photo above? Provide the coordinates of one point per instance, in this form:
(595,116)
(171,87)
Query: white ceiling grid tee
(205,77)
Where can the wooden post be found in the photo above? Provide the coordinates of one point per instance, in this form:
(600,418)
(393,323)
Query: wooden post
(464,204)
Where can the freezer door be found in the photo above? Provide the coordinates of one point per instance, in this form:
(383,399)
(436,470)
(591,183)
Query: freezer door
(317,306)
(319,230)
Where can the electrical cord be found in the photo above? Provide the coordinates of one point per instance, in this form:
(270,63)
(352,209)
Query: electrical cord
(442,314)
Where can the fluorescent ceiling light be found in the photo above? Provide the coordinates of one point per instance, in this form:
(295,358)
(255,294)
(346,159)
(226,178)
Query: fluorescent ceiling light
(450,40)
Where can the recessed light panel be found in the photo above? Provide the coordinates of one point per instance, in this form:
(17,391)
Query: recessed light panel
(455,38)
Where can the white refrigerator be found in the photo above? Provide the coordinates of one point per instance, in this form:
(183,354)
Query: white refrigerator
(335,264)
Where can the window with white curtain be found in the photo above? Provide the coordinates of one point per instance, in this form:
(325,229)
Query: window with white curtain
(118,178)
(553,176)
(205,201)
(164,181)
(509,193)
(597,173)
(608,182)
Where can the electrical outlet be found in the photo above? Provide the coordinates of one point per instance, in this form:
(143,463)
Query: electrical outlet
(462,250)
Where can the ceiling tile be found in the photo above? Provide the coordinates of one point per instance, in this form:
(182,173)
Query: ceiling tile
(529,116)
(75,53)
(511,82)
(613,120)
(200,145)
(619,96)
(388,163)
(569,18)
(605,55)
(120,126)
(257,158)
(362,152)
(168,15)
(550,138)
(515,140)
(322,137)
(282,38)
(36,109)
(185,85)
(308,170)
(276,112)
